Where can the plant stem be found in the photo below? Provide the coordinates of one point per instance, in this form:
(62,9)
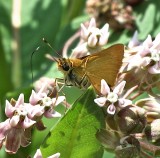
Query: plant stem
(16,22)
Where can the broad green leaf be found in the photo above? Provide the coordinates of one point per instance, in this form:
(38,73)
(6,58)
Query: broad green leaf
(74,135)
(147,18)
(5,58)
(39,19)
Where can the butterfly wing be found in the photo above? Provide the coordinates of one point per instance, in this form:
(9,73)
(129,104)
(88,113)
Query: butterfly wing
(104,65)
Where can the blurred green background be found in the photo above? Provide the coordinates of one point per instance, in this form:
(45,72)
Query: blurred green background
(55,20)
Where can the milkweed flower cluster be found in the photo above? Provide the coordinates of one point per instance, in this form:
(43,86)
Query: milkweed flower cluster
(147,56)
(133,125)
(117,14)
(15,131)
(91,39)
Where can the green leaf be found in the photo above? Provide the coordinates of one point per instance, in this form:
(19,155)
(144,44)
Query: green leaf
(147,18)
(74,135)
(35,24)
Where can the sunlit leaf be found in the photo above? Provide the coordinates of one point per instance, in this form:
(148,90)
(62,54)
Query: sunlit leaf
(74,135)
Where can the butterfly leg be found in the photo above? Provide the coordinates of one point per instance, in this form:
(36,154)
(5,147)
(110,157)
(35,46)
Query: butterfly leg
(84,82)
(67,105)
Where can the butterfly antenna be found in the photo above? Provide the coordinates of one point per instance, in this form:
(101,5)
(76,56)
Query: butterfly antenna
(31,63)
(46,42)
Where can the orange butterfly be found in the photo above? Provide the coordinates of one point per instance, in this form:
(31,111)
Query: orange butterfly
(91,69)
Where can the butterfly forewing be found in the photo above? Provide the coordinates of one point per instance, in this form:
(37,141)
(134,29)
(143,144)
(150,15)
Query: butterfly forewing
(104,65)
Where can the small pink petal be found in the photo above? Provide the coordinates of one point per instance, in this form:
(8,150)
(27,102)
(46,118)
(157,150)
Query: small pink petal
(92,40)
(111,109)
(84,32)
(104,35)
(144,51)
(134,41)
(34,98)
(58,100)
(100,101)
(20,100)
(27,123)
(119,88)
(103,40)
(36,110)
(57,155)
(124,102)
(148,42)
(145,61)
(132,64)
(4,128)
(51,113)
(43,91)
(9,109)
(80,51)
(38,154)
(14,120)
(104,29)
(155,69)
(92,23)
(104,87)
(156,43)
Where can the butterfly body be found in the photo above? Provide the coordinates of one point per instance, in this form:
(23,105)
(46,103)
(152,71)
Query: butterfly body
(91,69)
(72,75)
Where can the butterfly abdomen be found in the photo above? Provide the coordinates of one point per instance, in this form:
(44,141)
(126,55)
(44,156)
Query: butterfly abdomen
(73,79)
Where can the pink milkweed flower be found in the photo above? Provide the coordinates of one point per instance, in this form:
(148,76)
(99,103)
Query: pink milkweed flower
(12,137)
(134,41)
(44,105)
(48,84)
(92,39)
(146,55)
(112,96)
(13,131)
(18,113)
(93,35)
(38,154)
(151,105)
(40,94)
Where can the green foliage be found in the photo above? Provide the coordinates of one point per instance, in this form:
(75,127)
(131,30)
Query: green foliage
(74,134)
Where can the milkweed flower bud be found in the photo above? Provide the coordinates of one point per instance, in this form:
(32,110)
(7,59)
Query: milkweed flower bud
(131,119)
(129,147)
(152,131)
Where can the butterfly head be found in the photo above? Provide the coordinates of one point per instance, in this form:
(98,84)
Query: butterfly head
(64,65)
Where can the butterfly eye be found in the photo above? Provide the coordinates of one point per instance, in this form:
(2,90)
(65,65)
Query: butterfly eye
(65,67)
